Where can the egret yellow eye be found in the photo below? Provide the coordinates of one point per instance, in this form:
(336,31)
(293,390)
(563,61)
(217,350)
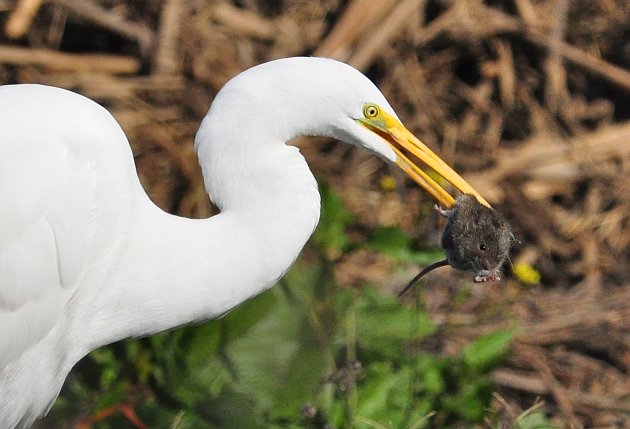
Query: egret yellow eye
(370,111)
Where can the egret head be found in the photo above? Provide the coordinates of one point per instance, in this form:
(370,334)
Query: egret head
(370,122)
(317,96)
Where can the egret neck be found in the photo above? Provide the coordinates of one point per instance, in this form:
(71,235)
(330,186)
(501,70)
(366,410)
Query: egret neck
(179,274)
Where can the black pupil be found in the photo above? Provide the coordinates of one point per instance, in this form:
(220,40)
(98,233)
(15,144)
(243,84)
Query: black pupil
(482,246)
(372,111)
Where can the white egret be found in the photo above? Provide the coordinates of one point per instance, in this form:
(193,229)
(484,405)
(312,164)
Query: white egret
(87,259)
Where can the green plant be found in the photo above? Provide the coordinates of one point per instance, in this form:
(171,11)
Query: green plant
(304,354)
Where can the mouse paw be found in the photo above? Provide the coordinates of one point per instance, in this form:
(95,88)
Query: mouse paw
(482,278)
(442,211)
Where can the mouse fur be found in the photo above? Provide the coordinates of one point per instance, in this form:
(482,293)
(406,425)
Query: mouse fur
(476,238)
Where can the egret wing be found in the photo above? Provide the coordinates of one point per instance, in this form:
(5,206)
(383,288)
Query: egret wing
(47,198)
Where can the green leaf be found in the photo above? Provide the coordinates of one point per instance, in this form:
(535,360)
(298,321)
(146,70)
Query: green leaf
(388,240)
(488,350)
(304,375)
(535,420)
(230,410)
(246,316)
(375,400)
(394,243)
(384,325)
(472,398)
(330,236)
(260,359)
(433,381)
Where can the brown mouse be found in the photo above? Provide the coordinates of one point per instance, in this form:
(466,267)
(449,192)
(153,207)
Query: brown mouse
(476,238)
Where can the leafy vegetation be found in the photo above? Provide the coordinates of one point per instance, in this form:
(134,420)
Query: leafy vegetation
(305,354)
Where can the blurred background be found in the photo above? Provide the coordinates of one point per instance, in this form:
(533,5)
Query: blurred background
(528,98)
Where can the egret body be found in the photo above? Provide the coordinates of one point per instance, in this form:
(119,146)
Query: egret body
(87,259)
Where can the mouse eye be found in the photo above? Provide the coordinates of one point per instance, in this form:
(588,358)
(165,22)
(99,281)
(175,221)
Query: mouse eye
(483,247)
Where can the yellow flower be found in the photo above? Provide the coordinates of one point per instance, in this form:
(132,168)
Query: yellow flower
(388,183)
(526,274)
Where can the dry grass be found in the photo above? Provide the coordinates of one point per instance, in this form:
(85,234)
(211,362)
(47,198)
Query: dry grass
(529,98)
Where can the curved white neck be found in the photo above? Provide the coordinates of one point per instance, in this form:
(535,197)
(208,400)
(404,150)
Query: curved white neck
(186,270)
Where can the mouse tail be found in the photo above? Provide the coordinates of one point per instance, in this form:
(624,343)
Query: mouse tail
(431,267)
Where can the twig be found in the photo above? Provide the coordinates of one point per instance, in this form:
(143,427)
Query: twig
(564,328)
(166,55)
(555,88)
(161,136)
(392,25)
(110,88)
(357,18)
(495,21)
(505,72)
(6,5)
(540,158)
(111,21)
(55,32)
(560,394)
(20,19)
(518,381)
(527,12)
(615,74)
(469,20)
(244,21)
(534,385)
(113,64)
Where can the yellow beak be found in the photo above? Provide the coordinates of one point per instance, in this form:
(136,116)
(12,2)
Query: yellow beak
(400,138)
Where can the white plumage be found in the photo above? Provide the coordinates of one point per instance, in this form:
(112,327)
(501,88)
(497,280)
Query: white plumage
(87,259)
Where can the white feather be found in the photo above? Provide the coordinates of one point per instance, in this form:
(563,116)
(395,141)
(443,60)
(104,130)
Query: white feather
(87,259)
